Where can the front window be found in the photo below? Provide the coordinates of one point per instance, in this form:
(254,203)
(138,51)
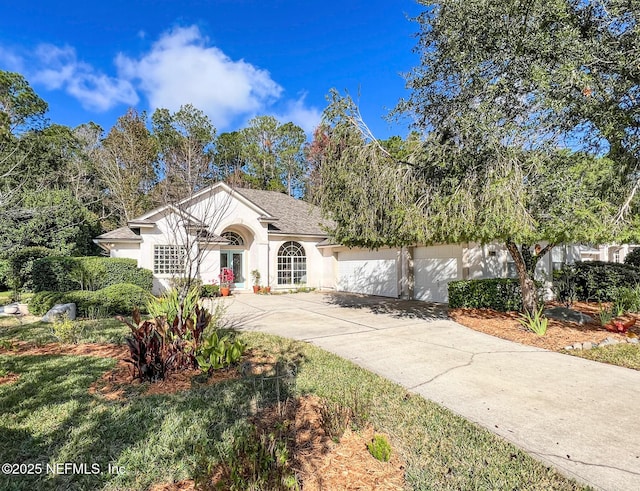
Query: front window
(292,264)
(233,238)
(168,259)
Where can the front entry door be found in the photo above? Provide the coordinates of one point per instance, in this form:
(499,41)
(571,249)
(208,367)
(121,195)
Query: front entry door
(234,260)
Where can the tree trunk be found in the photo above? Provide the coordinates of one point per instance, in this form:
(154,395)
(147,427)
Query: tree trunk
(526,263)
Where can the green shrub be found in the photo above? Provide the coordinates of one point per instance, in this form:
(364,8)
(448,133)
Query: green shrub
(218,352)
(535,322)
(4,274)
(209,291)
(66,331)
(564,286)
(42,302)
(122,270)
(633,258)
(122,298)
(626,300)
(501,294)
(20,264)
(380,448)
(57,273)
(115,299)
(53,274)
(600,281)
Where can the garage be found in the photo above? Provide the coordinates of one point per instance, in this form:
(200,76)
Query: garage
(433,268)
(368,272)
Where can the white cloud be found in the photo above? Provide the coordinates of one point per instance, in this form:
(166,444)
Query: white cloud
(308,118)
(60,69)
(11,61)
(181,69)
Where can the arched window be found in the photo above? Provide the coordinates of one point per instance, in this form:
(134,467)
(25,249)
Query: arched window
(292,264)
(233,238)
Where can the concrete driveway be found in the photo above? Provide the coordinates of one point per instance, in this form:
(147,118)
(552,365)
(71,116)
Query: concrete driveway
(580,416)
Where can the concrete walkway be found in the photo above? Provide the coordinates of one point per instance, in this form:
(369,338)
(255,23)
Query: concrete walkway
(580,416)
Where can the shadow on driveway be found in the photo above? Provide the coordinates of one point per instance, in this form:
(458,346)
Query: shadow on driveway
(400,309)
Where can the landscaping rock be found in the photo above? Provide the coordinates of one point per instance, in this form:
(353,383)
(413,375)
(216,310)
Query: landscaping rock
(607,342)
(10,309)
(568,348)
(569,315)
(587,345)
(577,345)
(632,340)
(59,310)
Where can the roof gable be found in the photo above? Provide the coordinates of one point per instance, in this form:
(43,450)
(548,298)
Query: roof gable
(293,216)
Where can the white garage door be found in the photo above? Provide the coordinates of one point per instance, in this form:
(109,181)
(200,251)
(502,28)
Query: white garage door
(433,269)
(368,272)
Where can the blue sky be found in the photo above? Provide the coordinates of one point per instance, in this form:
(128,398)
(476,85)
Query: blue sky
(234,59)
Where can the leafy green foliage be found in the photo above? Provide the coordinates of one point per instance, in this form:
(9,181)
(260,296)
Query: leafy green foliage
(605,316)
(122,297)
(115,299)
(168,343)
(67,331)
(52,218)
(626,300)
(60,273)
(600,281)
(209,291)
(170,305)
(633,258)
(218,351)
(534,321)
(380,448)
(564,286)
(19,265)
(501,294)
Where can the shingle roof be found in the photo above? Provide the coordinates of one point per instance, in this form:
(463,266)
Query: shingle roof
(122,233)
(294,216)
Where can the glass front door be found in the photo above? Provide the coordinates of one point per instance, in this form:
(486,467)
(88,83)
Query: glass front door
(233,260)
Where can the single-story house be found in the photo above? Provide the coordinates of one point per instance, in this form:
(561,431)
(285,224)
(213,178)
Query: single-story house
(286,240)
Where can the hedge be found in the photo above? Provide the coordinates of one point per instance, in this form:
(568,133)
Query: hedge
(114,299)
(596,280)
(64,274)
(501,294)
(633,258)
(19,264)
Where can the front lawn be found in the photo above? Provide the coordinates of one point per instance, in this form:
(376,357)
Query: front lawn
(48,416)
(37,332)
(623,355)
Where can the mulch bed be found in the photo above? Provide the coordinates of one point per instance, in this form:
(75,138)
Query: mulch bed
(320,463)
(560,334)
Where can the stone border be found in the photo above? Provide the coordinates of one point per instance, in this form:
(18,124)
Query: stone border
(607,342)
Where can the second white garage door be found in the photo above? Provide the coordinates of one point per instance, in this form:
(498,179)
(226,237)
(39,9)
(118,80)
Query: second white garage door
(433,269)
(368,272)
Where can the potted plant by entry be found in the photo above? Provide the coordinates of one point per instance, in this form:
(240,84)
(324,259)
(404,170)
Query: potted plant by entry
(255,274)
(226,279)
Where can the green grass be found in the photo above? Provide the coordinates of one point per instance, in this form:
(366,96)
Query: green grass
(93,331)
(48,416)
(624,355)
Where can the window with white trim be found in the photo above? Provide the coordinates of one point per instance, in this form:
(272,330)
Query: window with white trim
(233,238)
(168,259)
(292,264)
(558,258)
